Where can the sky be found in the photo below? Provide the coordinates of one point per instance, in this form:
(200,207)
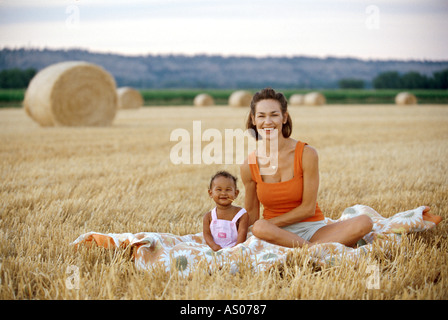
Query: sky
(366,29)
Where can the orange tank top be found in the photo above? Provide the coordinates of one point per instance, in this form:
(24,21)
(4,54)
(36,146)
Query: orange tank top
(281,197)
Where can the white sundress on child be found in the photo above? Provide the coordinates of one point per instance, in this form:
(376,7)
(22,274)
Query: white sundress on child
(224,232)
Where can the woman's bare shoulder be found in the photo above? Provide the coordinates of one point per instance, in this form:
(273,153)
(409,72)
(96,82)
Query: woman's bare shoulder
(309,156)
(310,151)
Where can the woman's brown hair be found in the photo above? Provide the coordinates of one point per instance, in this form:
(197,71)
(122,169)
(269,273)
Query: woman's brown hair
(265,94)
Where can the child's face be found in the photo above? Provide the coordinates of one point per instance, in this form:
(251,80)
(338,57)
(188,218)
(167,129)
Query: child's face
(223,191)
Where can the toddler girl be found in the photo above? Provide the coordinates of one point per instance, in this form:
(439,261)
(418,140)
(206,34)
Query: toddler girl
(226,225)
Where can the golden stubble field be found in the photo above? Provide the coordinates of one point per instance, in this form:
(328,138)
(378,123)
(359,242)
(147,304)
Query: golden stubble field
(57,183)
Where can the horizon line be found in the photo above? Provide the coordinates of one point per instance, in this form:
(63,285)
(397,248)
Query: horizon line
(266,56)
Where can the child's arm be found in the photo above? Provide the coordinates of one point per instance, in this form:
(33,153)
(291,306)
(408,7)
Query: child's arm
(243,227)
(207,234)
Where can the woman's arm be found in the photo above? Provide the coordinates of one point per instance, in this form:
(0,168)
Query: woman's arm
(310,168)
(251,202)
(207,234)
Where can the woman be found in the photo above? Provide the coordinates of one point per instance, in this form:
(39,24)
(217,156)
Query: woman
(288,189)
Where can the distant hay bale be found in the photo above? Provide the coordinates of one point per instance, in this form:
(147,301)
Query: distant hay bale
(314,99)
(129,98)
(203,100)
(240,98)
(405,98)
(72,93)
(296,99)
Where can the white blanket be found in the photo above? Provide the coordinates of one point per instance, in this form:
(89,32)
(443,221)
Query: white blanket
(185,253)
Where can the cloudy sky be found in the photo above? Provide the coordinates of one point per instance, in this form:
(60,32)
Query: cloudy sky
(373,29)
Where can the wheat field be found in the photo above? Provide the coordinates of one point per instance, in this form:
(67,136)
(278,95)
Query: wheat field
(58,183)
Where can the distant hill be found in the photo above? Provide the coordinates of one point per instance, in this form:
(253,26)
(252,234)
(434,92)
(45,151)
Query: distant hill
(213,71)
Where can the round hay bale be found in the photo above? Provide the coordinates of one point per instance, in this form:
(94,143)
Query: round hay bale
(314,99)
(405,98)
(129,98)
(296,99)
(240,98)
(203,100)
(72,93)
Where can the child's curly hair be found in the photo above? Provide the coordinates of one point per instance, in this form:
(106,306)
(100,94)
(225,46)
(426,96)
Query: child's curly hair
(223,174)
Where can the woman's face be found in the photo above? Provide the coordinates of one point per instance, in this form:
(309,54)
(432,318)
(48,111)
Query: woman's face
(268,118)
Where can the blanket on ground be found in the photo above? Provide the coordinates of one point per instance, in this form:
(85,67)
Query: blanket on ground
(184,253)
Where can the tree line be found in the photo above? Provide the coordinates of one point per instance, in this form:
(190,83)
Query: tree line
(411,80)
(16,78)
(395,80)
